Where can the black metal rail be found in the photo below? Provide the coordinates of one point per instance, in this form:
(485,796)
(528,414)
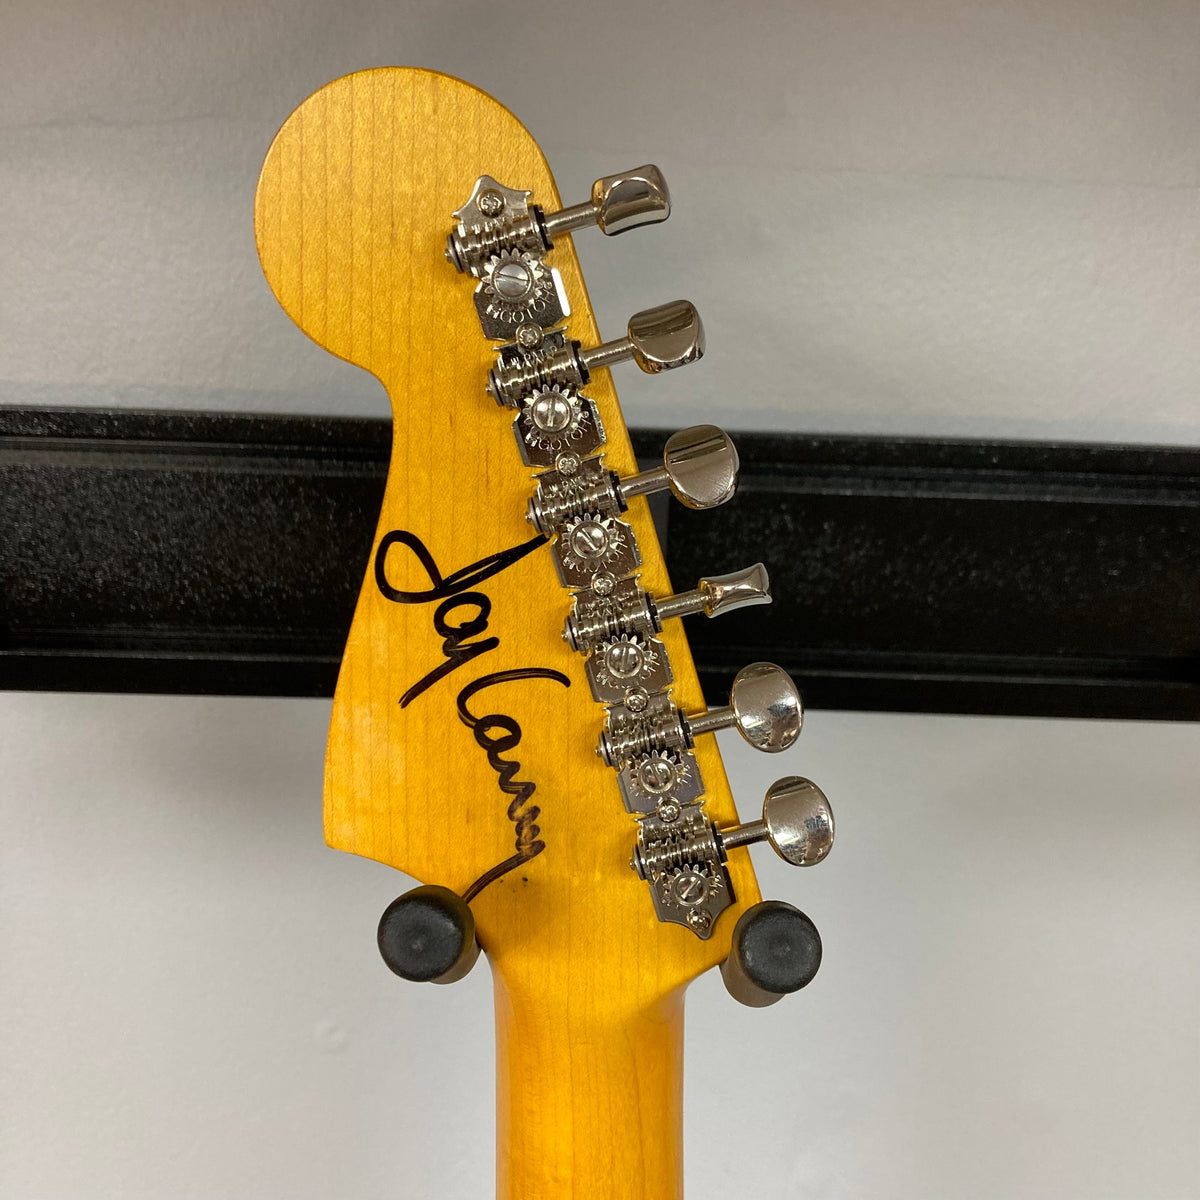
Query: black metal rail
(208,553)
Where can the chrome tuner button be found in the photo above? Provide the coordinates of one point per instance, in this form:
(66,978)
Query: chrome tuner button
(619,203)
(797,821)
(717,594)
(658,339)
(700,466)
(497,220)
(764,706)
(613,608)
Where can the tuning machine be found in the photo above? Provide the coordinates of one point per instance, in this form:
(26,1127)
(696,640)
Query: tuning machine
(612,607)
(683,858)
(497,218)
(700,467)
(581,501)
(501,239)
(657,339)
(775,948)
(650,742)
(764,706)
(797,822)
(615,622)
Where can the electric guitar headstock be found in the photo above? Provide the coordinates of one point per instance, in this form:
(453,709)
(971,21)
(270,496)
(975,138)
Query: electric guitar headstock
(518,722)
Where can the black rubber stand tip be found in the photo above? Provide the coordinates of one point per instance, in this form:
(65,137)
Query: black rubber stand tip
(428,936)
(775,950)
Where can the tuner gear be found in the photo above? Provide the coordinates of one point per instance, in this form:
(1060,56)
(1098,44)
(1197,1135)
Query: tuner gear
(516,291)
(555,420)
(592,544)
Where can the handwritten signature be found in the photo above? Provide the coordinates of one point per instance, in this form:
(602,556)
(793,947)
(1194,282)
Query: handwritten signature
(462,613)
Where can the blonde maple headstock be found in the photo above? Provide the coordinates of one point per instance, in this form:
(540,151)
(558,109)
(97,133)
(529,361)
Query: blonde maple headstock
(463,736)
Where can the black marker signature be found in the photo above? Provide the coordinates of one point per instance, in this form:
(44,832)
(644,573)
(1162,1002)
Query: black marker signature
(454,593)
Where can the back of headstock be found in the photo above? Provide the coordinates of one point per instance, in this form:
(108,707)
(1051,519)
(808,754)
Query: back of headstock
(473,689)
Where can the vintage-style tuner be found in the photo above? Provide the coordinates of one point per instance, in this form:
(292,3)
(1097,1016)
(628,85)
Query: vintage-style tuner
(518,722)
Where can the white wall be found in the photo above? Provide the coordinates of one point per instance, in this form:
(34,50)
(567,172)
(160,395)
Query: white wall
(944,217)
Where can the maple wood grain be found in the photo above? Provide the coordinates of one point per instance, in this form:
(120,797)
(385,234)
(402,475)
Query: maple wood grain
(351,215)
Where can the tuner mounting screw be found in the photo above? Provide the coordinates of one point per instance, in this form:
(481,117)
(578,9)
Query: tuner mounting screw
(668,812)
(529,337)
(699,920)
(603,584)
(636,699)
(490,203)
(566,464)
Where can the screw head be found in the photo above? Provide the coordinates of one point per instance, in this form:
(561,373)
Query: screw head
(529,337)
(656,775)
(589,539)
(699,920)
(603,583)
(567,463)
(625,659)
(668,811)
(690,887)
(490,203)
(636,698)
(550,412)
(513,280)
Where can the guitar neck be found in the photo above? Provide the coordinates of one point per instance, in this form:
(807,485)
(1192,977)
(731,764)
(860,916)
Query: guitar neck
(589,1098)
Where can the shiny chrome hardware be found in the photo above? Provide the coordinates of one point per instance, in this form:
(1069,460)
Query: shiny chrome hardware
(624,608)
(797,822)
(764,707)
(501,239)
(552,423)
(716,594)
(592,545)
(677,855)
(497,219)
(619,203)
(660,779)
(658,727)
(623,668)
(700,467)
(658,339)
(682,856)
